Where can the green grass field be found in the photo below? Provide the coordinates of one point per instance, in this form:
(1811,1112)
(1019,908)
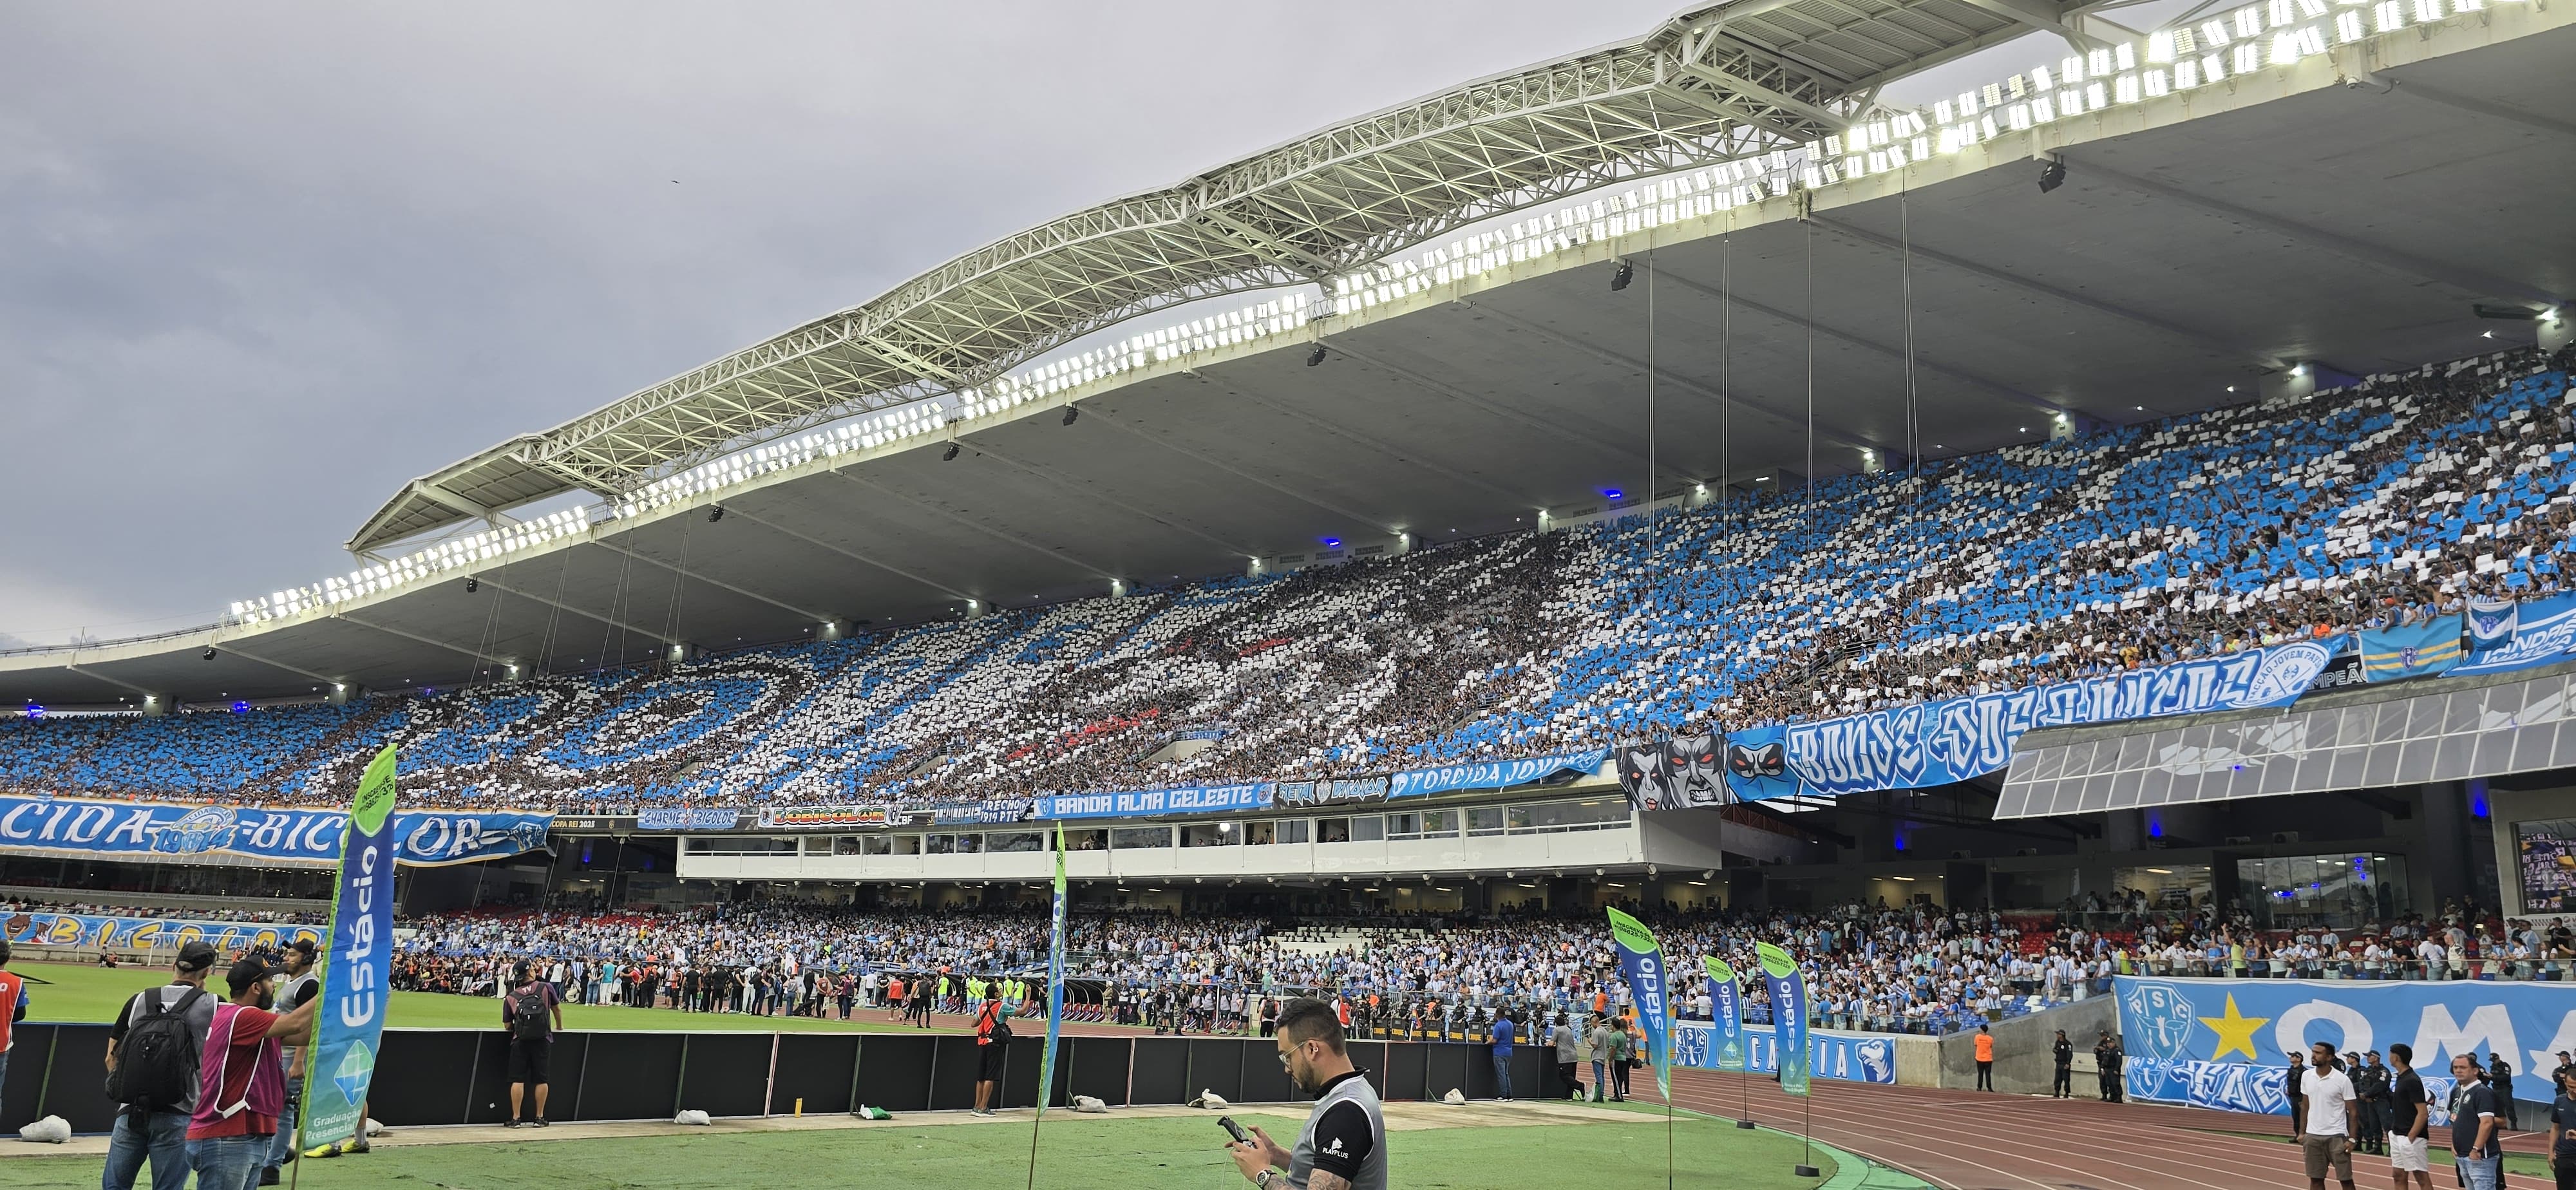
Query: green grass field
(1076,1153)
(77,993)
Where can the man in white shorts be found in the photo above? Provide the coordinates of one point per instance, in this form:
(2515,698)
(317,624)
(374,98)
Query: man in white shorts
(2410,1118)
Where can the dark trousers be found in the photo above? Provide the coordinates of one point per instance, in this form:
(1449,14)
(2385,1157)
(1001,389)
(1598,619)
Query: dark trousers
(2374,1128)
(2063,1087)
(1985,1076)
(1564,1074)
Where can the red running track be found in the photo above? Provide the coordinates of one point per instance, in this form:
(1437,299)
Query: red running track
(1969,1140)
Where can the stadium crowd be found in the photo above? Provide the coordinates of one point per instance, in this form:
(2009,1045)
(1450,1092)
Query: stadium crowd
(2389,501)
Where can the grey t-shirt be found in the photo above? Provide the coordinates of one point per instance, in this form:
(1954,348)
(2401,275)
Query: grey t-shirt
(1569,1046)
(201,1021)
(1604,1043)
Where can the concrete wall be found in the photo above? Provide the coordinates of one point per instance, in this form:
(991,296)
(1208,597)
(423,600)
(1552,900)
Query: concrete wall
(1918,1061)
(2022,1062)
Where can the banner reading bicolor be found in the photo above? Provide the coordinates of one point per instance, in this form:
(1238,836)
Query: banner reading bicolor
(95,931)
(358,964)
(151,832)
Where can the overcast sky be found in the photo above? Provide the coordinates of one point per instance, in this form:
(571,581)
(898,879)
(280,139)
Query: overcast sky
(260,265)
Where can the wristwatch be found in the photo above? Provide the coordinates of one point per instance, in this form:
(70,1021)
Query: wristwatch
(1262,1179)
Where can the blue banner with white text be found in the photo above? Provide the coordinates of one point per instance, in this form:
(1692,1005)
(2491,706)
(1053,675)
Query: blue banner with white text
(2429,648)
(152,831)
(1491,774)
(1850,1057)
(2543,631)
(2223,1043)
(1939,743)
(1207,799)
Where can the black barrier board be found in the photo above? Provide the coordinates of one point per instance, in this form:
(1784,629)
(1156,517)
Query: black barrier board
(1020,1070)
(1161,1071)
(1444,1068)
(1097,1066)
(1264,1080)
(1216,1064)
(952,1072)
(726,1074)
(1405,1066)
(631,1076)
(894,1070)
(76,1079)
(437,1068)
(24,1092)
(817,1068)
(1530,1067)
(1481,1083)
(487,1097)
(1370,1057)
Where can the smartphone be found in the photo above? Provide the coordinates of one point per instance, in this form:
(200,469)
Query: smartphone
(1234,1130)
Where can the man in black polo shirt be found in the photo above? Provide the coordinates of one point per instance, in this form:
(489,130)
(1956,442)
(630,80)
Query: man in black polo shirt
(2474,1151)
(2064,1052)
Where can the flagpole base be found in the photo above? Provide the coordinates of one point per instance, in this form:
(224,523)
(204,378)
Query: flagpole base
(1804,1171)
(1744,1123)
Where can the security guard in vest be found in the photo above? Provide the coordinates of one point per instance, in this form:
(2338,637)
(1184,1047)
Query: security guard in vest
(1343,1146)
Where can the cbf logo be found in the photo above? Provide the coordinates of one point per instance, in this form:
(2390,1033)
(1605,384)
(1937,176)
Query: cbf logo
(2157,1020)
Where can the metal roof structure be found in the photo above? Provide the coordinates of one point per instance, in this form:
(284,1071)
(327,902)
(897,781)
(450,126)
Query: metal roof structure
(2344,210)
(1717,83)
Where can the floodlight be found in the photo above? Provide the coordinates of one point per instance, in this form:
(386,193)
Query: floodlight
(2052,176)
(208,655)
(1619,280)
(1316,356)
(1070,413)
(473,584)
(715,514)
(949,453)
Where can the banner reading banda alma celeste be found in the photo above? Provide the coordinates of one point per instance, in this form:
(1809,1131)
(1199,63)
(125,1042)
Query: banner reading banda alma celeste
(152,831)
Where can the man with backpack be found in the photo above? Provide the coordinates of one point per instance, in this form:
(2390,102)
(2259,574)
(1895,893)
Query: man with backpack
(152,1052)
(533,1014)
(242,1087)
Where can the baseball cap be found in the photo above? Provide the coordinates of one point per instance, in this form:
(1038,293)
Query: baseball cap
(247,973)
(196,956)
(304,946)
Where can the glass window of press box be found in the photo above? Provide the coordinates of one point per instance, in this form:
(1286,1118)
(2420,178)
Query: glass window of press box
(2338,891)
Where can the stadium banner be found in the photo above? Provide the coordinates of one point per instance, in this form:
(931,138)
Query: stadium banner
(2421,651)
(1680,773)
(2492,621)
(2343,671)
(2546,851)
(1491,774)
(2219,1042)
(2543,631)
(149,831)
(357,964)
(1848,1057)
(93,931)
(1641,964)
(1757,764)
(1726,1007)
(1788,988)
(998,812)
(810,818)
(1938,743)
(1196,799)
(687,818)
(1325,793)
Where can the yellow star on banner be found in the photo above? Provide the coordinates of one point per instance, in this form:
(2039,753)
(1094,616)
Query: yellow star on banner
(2235,1032)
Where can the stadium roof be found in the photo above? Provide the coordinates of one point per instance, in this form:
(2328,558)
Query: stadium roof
(2336,210)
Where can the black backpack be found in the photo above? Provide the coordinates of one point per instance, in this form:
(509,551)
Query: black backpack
(528,1012)
(156,1064)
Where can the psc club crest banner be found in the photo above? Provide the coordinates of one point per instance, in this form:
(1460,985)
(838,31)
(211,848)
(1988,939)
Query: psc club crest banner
(2221,1042)
(162,832)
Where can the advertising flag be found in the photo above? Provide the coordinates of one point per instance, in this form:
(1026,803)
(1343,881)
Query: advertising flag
(1055,980)
(1788,1015)
(1641,963)
(358,964)
(1726,1006)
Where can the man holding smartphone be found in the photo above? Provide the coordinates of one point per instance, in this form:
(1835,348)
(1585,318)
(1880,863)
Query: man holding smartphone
(1343,1146)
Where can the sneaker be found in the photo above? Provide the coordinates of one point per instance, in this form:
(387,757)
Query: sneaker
(539,1122)
(268,1176)
(330,1149)
(357,1146)
(509,1123)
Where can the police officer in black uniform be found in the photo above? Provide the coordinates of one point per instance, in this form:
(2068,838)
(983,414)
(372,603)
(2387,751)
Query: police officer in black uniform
(2370,1091)
(2064,1051)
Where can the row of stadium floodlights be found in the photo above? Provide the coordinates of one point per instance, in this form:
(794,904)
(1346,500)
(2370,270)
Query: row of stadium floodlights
(2276,33)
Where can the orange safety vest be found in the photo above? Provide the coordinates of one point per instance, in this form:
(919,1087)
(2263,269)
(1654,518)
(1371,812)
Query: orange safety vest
(1985,1047)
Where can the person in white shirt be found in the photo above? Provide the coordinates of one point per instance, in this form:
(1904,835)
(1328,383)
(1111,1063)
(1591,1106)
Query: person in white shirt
(2325,1137)
(2431,953)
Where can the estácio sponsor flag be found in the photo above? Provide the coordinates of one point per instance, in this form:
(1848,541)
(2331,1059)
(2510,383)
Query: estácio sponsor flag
(1641,963)
(1726,1004)
(1788,989)
(356,968)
